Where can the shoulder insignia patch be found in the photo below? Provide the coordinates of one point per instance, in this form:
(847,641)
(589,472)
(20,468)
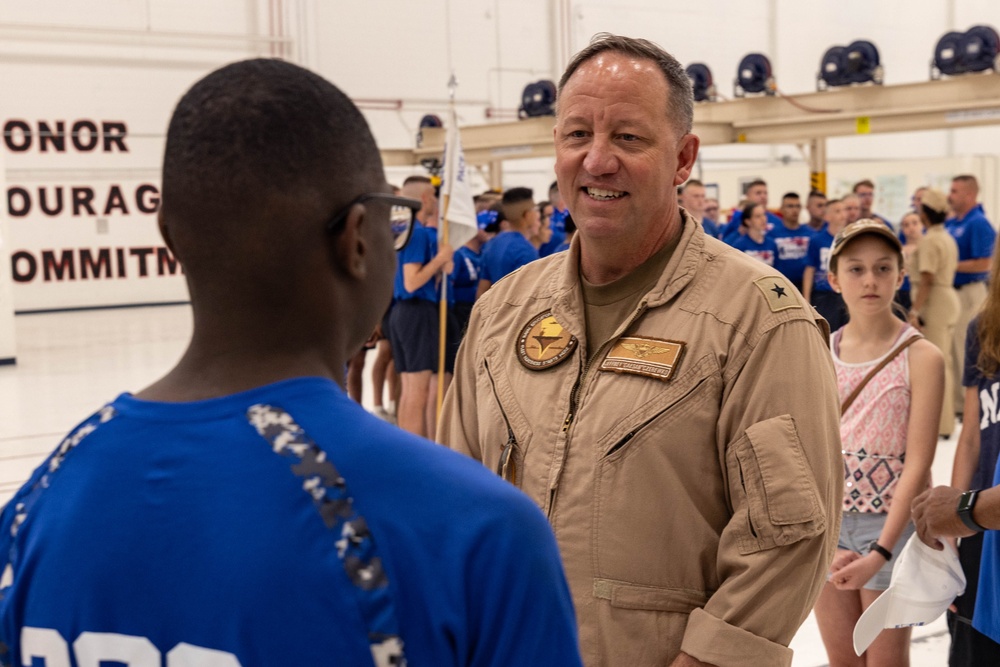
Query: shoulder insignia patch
(543,343)
(651,357)
(779,293)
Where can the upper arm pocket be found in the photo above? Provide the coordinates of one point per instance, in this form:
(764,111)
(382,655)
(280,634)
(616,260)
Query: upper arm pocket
(776,499)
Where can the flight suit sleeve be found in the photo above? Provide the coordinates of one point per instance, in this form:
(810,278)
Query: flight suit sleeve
(779,438)
(458,426)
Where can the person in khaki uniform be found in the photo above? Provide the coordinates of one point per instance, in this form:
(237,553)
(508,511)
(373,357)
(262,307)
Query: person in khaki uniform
(668,401)
(936,306)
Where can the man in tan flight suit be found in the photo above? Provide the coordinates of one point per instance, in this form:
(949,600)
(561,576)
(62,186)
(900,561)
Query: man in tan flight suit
(668,401)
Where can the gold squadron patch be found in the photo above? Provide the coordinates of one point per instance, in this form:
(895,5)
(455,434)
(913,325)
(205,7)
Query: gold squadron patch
(543,343)
(651,357)
(779,293)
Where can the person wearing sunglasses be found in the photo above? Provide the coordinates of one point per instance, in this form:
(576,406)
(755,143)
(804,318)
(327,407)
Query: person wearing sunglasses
(242,510)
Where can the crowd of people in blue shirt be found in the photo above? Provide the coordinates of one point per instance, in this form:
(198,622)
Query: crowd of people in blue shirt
(514,229)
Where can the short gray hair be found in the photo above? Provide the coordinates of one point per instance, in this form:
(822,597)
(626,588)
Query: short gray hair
(680,98)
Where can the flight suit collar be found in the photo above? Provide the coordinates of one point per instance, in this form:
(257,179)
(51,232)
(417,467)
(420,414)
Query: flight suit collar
(568,306)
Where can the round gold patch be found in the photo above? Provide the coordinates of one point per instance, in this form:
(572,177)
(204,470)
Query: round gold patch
(543,343)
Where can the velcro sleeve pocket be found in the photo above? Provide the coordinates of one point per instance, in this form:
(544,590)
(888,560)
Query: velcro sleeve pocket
(776,500)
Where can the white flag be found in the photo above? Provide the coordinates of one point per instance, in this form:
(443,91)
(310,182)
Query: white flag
(461,214)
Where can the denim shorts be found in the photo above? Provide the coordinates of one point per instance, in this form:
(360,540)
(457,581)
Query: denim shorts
(858,529)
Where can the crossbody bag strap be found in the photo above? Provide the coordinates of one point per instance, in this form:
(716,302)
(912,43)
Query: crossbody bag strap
(875,371)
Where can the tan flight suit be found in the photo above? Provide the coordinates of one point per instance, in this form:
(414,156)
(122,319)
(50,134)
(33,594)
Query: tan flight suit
(937,253)
(691,470)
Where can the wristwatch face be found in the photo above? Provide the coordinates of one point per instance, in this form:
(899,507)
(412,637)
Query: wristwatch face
(966,502)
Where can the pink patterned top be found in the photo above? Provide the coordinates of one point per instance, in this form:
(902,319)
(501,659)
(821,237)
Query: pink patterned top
(873,430)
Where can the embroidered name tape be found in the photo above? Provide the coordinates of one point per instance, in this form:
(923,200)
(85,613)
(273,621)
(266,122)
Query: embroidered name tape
(651,357)
(543,343)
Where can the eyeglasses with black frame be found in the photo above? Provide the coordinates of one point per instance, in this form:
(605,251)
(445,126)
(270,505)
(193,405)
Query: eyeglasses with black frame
(402,214)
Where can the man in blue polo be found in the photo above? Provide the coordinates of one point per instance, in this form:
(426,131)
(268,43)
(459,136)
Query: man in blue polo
(976,239)
(511,249)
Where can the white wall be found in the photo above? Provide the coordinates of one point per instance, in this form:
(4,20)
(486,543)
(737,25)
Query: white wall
(117,62)
(401,51)
(128,62)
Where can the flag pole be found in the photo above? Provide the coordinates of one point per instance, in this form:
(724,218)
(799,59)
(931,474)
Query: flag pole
(443,238)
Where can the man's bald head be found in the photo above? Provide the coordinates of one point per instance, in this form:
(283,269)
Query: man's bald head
(258,154)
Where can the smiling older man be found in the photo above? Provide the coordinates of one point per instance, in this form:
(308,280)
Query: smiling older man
(637,388)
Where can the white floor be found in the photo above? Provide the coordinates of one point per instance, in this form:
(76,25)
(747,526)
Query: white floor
(69,364)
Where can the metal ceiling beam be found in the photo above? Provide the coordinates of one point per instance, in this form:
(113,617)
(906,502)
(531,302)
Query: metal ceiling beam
(965,101)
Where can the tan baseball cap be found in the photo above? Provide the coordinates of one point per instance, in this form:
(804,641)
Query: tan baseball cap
(864,226)
(934,200)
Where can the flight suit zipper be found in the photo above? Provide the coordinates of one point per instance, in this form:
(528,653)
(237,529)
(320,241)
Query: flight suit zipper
(507,464)
(574,397)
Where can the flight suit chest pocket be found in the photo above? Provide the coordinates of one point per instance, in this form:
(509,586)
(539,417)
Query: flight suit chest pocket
(773,488)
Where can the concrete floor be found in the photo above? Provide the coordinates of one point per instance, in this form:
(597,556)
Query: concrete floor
(71,363)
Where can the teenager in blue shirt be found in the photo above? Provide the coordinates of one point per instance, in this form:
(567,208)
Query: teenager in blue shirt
(242,510)
(792,240)
(756,193)
(570,228)
(755,240)
(691,196)
(511,249)
(414,323)
(557,222)
(970,507)
(816,287)
(864,190)
(468,266)
(711,222)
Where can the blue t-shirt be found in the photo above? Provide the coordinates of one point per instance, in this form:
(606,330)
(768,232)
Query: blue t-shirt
(975,237)
(213,531)
(989,429)
(766,251)
(465,277)
(986,617)
(819,258)
(557,223)
(793,249)
(422,248)
(882,219)
(733,226)
(711,228)
(505,253)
